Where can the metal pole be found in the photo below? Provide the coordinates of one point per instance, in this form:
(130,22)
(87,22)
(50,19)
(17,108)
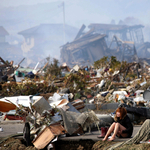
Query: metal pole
(64,22)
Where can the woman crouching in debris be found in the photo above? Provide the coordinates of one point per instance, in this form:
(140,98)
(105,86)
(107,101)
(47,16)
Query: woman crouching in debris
(122,127)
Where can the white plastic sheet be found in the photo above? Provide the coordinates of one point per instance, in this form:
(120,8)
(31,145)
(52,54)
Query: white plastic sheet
(56,97)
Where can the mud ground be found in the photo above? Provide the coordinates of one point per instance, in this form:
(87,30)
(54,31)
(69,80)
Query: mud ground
(74,145)
(15,144)
(18,144)
(100,145)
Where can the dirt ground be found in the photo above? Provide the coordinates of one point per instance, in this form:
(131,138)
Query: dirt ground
(144,146)
(74,145)
(100,145)
(14,144)
(17,144)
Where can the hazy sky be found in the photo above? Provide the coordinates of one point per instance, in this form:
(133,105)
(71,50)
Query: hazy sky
(18,15)
(78,12)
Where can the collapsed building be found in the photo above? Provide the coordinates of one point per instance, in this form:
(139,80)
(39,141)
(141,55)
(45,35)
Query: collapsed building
(85,49)
(125,33)
(103,40)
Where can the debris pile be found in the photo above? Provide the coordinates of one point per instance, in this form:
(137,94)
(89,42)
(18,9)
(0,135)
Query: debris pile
(55,105)
(7,70)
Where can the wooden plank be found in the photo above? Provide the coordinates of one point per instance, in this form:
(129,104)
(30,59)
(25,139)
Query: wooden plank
(80,31)
(57,129)
(48,135)
(43,138)
(3,61)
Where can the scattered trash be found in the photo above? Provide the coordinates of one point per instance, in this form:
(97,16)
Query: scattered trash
(55,105)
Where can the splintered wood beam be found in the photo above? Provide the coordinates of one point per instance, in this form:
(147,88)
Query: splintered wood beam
(3,66)
(89,32)
(80,32)
(3,61)
(21,61)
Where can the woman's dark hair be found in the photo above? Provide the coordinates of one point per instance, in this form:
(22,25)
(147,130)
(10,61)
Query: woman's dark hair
(123,112)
